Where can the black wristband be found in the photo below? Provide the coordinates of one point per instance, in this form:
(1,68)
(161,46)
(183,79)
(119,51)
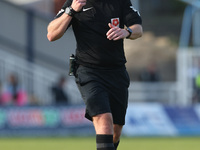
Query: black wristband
(70,11)
(129,31)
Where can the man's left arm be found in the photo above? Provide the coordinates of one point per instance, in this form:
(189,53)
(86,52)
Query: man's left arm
(136,31)
(116,33)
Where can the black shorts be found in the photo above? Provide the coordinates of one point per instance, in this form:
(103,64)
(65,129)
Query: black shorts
(104,91)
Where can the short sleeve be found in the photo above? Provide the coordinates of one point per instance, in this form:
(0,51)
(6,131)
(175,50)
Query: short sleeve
(66,4)
(130,14)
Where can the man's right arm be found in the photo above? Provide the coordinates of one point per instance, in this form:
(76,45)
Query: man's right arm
(57,27)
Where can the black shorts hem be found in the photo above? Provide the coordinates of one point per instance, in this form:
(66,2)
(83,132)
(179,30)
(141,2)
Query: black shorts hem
(89,117)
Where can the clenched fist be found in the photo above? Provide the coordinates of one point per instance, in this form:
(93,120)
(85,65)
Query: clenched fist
(77,5)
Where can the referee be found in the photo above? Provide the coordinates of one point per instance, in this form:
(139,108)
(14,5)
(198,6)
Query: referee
(99,27)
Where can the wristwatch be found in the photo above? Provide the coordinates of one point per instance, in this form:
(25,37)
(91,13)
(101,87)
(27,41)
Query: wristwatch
(129,31)
(70,11)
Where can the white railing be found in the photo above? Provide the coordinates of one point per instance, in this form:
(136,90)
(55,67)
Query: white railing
(163,92)
(35,79)
(32,78)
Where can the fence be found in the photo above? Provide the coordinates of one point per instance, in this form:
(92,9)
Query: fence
(163,92)
(35,79)
(38,80)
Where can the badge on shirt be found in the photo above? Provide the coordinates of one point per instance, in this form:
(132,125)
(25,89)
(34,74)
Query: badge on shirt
(115,22)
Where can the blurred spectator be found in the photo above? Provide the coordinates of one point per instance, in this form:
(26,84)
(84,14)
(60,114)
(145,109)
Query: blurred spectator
(59,94)
(0,92)
(150,74)
(12,93)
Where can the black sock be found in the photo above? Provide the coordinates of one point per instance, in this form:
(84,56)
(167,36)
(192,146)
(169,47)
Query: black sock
(104,142)
(116,145)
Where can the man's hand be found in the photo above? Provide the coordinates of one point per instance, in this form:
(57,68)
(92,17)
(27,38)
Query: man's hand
(77,5)
(116,33)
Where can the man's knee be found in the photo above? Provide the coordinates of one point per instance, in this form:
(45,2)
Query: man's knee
(103,123)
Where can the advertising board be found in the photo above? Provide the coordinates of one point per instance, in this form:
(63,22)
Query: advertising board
(41,121)
(148,120)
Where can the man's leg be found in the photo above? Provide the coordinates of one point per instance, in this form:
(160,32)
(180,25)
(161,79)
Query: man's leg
(103,124)
(117,134)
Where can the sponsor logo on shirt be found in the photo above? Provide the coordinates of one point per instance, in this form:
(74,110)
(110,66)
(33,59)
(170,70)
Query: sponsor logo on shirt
(61,11)
(115,22)
(86,9)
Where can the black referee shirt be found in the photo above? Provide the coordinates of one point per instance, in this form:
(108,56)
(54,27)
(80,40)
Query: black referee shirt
(91,25)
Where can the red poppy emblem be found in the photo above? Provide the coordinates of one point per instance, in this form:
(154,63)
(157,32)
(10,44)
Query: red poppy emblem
(115,22)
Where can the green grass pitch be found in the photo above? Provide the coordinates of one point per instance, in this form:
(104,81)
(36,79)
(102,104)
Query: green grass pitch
(88,143)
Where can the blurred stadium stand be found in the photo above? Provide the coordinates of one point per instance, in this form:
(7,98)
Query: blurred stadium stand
(25,50)
(162,92)
(188,56)
(24,36)
(22,40)
(35,79)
